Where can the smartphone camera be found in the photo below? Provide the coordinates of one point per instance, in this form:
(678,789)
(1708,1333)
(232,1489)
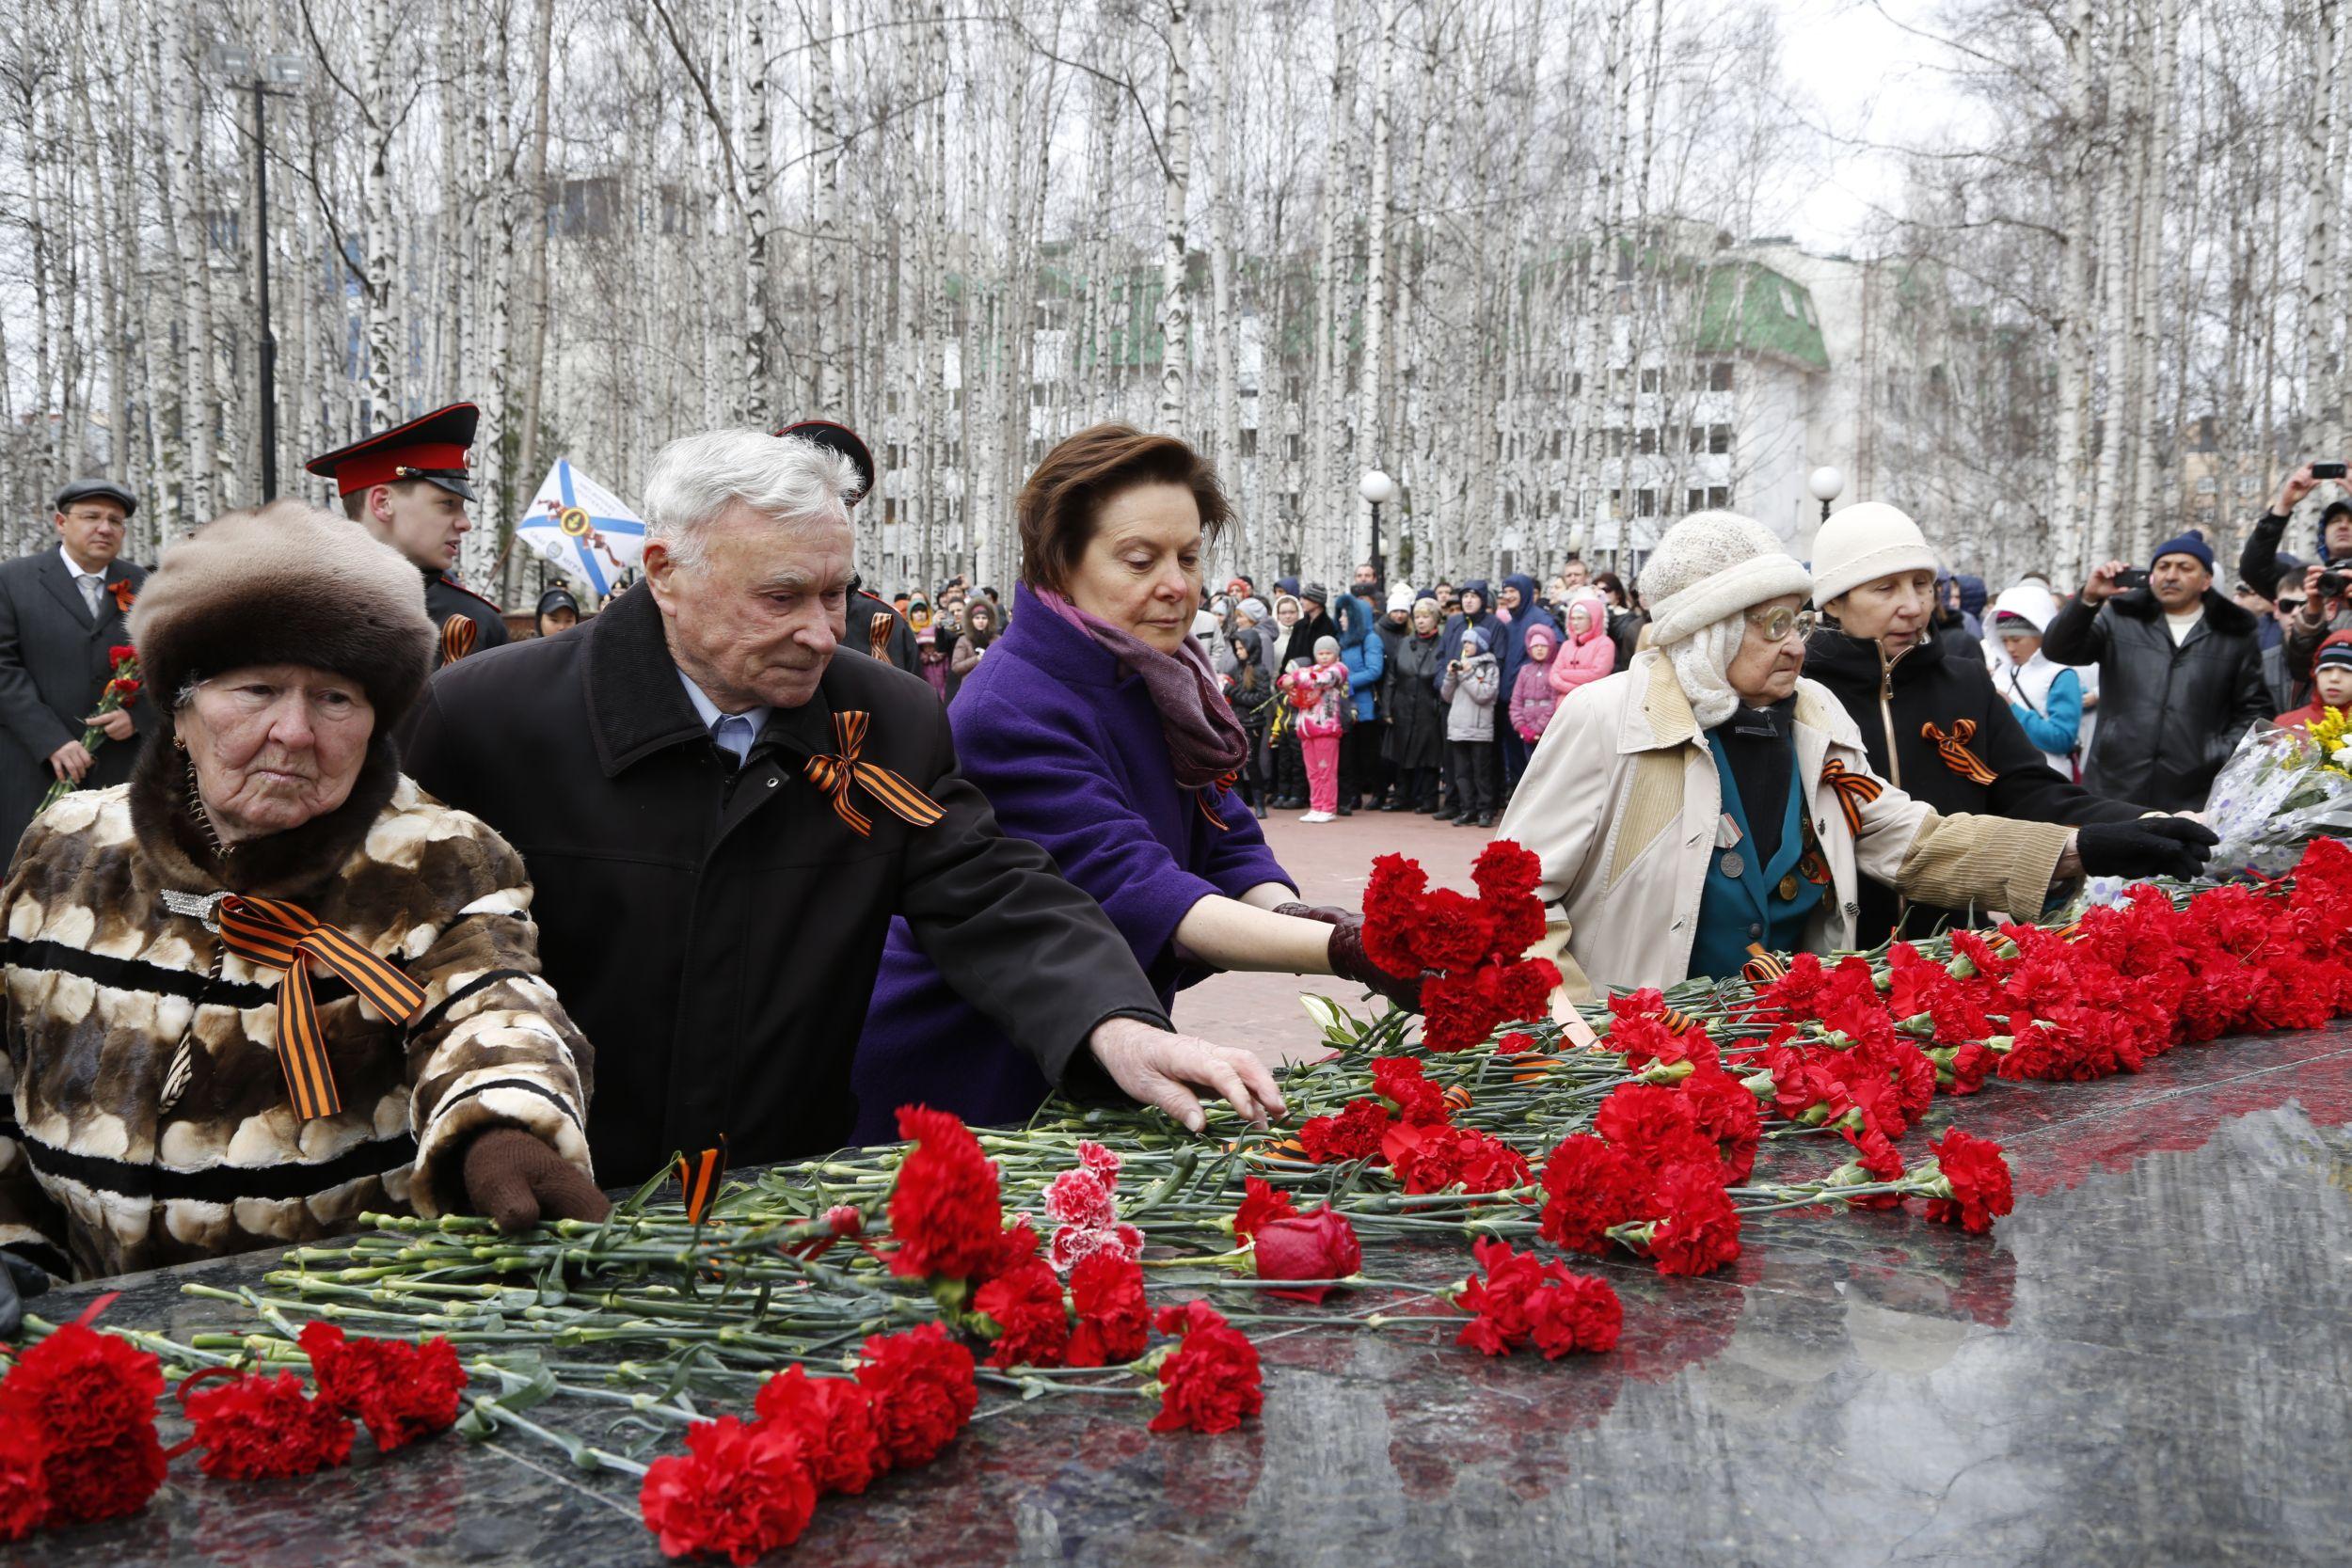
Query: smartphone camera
(2326,470)
(2131,578)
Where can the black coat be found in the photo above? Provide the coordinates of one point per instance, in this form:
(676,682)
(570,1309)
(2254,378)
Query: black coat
(53,670)
(1892,709)
(2169,716)
(446,600)
(897,640)
(715,933)
(1416,714)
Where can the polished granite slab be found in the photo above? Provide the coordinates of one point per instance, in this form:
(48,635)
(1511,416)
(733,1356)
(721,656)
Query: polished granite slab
(2150,1363)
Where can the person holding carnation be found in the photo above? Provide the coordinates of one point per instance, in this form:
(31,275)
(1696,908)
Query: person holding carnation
(2331,684)
(179,1093)
(1709,804)
(1098,732)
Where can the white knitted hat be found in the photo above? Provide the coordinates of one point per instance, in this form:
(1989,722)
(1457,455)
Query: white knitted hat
(1709,567)
(2030,601)
(1863,543)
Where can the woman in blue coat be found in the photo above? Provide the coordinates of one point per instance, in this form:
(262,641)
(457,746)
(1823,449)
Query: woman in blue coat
(1366,658)
(1098,732)
(1521,610)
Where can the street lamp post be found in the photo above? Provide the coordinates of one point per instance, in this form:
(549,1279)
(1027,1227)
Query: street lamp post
(237,63)
(1377,488)
(1826,485)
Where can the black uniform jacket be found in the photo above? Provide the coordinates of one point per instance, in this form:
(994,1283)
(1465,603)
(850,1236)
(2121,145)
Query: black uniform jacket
(869,634)
(444,600)
(715,932)
(1892,705)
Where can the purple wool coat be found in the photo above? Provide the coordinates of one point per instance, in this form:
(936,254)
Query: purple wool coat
(1069,752)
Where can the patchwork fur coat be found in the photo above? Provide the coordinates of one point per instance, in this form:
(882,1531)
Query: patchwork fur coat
(103,982)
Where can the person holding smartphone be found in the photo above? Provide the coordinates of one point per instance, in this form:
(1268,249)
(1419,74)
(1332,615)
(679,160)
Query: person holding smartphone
(2180,675)
(2323,584)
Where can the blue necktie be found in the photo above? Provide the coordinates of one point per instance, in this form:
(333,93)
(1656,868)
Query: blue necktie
(732,734)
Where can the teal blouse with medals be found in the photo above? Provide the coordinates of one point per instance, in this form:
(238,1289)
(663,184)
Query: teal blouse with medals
(1748,902)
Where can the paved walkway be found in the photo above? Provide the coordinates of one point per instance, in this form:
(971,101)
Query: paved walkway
(1330,861)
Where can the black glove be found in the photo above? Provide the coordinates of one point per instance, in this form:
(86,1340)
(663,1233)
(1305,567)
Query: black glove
(515,1178)
(2146,847)
(19,1280)
(1349,961)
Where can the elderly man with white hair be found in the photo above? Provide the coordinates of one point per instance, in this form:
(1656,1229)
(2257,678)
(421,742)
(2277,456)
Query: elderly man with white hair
(721,818)
(1710,805)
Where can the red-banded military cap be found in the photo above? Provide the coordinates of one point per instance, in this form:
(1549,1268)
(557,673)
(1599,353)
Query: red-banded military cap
(431,447)
(841,438)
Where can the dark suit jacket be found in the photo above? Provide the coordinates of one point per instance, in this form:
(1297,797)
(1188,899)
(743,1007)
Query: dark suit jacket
(53,666)
(716,931)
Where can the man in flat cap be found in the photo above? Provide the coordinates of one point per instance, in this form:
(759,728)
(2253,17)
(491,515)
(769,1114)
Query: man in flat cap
(408,486)
(873,626)
(61,615)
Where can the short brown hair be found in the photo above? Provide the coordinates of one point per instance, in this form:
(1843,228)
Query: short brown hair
(356,503)
(1058,505)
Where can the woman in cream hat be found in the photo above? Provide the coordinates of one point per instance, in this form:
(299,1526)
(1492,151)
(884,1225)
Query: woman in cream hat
(1709,804)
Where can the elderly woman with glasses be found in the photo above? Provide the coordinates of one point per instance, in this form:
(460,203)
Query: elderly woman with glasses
(268,984)
(1710,807)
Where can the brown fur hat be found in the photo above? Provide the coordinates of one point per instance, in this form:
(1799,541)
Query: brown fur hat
(285,584)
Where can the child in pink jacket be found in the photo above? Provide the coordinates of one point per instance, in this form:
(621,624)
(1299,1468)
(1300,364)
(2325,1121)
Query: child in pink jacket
(1532,697)
(1589,651)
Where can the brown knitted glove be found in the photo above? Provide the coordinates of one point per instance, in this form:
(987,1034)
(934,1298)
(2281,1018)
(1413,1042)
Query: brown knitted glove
(514,1176)
(1349,961)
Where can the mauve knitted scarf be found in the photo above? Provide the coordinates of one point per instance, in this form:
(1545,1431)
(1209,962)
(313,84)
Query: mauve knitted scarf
(1204,740)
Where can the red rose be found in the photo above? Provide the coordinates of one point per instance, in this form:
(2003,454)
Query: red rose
(1261,1201)
(260,1428)
(1979,1177)
(79,1386)
(1588,1187)
(1114,1320)
(1212,1381)
(23,1488)
(1525,1299)
(944,1208)
(1025,1309)
(1697,1229)
(121,653)
(739,1492)
(400,1391)
(1353,1134)
(835,1424)
(920,1386)
(1319,1244)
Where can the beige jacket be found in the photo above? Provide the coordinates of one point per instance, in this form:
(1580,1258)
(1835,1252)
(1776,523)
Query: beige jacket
(1621,802)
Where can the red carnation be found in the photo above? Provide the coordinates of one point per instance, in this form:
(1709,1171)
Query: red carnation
(1653,1125)
(88,1400)
(835,1424)
(739,1492)
(263,1428)
(23,1489)
(1451,932)
(1973,1168)
(121,653)
(400,1391)
(921,1389)
(104,1481)
(1212,1381)
(1516,1043)
(1432,1159)
(1505,870)
(1588,1187)
(1392,903)
(1353,1134)
(1525,1299)
(1261,1201)
(943,1209)
(1025,1309)
(1697,1229)
(1114,1320)
(1401,1081)
(1319,1244)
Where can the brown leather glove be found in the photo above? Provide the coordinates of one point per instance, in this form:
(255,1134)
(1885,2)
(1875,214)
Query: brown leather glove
(1349,961)
(514,1176)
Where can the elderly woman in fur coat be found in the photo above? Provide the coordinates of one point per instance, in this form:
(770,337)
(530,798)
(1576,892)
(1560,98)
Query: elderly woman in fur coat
(268,983)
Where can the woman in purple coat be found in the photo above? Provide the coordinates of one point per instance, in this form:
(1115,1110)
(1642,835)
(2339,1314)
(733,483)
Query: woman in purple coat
(1099,731)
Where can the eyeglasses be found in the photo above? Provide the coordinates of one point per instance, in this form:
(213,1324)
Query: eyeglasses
(1778,624)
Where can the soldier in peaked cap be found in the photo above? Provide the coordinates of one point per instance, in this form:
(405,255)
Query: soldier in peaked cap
(408,486)
(874,628)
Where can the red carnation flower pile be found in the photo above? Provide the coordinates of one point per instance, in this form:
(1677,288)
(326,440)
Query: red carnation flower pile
(399,1392)
(256,1428)
(1526,1300)
(77,1431)
(1082,1203)
(1473,950)
(1652,1172)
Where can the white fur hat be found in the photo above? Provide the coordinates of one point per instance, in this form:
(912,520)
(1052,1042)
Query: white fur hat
(1863,543)
(1709,567)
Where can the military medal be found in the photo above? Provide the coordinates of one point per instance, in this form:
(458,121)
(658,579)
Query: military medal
(1789,887)
(1733,864)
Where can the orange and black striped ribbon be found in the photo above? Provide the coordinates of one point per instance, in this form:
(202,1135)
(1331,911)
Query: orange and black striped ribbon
(1208,795)
(1854,791)
(1957,756)
(277,935)
(458,636)
(1678,1020)
(877,634)
(698,1178)
(1764,967)
(835,774)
